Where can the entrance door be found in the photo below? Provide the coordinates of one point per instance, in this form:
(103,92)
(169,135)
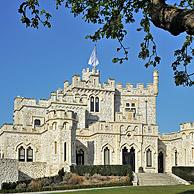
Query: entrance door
(160,162)
(132,159)
(80,157)
(129,157)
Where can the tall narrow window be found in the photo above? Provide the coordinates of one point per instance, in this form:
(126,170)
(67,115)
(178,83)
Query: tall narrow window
(80,157)
(65,151)
(97,104)
(37,123)
(106,156)
(192,153)
(92,104)
(29,154)
(55,147)
(21,154)
(175,158)
(149,158)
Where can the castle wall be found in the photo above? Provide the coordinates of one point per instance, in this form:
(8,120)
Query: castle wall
(29,170)
(8,170)
(181,142)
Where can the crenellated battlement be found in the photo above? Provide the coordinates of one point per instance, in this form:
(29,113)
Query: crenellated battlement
(138,89)
(186,126)
(19,102)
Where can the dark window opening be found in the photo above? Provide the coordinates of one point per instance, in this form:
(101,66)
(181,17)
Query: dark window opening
(37,123)
(92,104)
(176,158)
(29,154)
(97,104)
(106,156)
(65,151)
(80,157)
(21,154)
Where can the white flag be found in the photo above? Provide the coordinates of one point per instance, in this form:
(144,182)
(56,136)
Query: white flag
(93,58)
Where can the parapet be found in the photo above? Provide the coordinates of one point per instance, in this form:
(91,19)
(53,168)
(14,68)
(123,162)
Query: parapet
(186,126)
(19,102)
(139,89)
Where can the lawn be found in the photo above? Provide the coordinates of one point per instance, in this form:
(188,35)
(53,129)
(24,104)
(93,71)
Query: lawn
(180,189)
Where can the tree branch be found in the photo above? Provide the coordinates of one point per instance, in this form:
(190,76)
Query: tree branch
(171,18)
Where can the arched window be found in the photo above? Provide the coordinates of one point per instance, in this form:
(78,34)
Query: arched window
(29,154)
(92,104)
(65,151)
(97,104)
(21,154)
(149,158)
(55,147)
(106,156)
(37,123)
(176,158)
(54,126)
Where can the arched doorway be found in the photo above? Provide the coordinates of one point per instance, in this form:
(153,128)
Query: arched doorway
(132,159)
(80,157)
(160,162)
(129,157)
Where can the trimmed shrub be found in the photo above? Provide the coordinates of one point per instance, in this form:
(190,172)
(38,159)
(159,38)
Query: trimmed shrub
(184,172)
(8,186)
(21,187)
(104,170)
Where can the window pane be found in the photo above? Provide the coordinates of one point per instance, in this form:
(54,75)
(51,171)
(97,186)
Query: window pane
(97,104)
(92,104)
(21,153)
(29,154)
(149,158)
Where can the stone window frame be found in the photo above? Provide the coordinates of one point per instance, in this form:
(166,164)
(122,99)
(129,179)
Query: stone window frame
(149,161)
(175,157)
(106,157)
(37,122)
(21,157)
(55,147)
(29,158)
(25,147)
(111,151)
(94,104)
(65,151)
(131,106)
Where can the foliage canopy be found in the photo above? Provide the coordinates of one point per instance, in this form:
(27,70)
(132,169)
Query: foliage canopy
(112,17)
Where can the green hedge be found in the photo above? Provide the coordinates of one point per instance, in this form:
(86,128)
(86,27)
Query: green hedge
(69,187)
(104,170)
(184,172)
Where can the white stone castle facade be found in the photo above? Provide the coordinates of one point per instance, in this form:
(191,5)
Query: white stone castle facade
(93,123)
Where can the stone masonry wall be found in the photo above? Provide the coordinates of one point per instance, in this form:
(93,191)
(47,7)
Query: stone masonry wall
(8,171)
(28,170)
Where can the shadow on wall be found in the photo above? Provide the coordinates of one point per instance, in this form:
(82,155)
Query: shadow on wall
(91,118)
(22,176)
(90,145)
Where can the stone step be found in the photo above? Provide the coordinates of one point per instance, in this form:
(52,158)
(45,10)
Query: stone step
(156,179)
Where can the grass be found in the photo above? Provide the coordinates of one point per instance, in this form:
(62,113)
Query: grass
(178,189)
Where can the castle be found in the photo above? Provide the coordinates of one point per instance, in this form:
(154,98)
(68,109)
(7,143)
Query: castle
(92,123)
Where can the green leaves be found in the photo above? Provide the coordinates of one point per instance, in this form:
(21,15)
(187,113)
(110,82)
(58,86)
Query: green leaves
(184,57)
(111,18)
(36,16)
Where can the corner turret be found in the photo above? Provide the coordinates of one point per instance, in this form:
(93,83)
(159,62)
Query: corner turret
(155,82)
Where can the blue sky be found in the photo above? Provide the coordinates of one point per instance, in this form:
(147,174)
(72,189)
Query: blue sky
(35,62)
